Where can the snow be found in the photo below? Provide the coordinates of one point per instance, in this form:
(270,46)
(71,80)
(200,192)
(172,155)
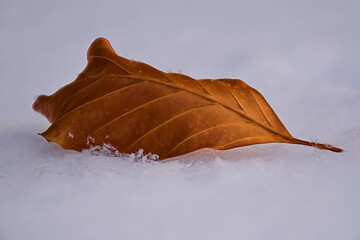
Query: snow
(109,150)
(302,56)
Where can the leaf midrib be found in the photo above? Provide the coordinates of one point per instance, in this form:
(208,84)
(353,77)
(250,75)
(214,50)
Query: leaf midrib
(204,96)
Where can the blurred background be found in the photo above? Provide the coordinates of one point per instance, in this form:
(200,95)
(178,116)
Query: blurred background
(303,56)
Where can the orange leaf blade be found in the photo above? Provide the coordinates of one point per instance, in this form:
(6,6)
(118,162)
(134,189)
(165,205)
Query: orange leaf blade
(131,105)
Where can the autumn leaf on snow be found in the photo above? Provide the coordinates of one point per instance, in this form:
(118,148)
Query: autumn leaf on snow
(131,105)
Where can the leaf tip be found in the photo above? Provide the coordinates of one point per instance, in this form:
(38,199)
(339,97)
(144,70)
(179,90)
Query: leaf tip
(100,47)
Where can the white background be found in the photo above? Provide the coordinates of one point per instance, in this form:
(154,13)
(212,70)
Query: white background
(303,56)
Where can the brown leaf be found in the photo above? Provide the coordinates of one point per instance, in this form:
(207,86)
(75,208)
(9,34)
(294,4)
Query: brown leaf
(132,105)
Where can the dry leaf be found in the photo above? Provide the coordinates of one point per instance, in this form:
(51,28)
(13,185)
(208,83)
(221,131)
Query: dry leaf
(131,105)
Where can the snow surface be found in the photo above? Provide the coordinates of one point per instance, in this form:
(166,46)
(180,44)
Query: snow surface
(302,55)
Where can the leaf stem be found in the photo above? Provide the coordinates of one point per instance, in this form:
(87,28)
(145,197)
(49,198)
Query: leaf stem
(321,146)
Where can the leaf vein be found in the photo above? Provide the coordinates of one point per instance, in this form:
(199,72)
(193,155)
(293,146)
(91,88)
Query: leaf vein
(100,97)
(167,121)
(198,133)
(136,108)
(261,110)
(233,95)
